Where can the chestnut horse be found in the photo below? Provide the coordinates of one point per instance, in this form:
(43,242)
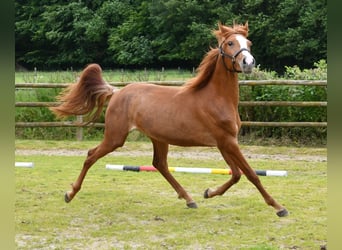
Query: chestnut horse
(202,112)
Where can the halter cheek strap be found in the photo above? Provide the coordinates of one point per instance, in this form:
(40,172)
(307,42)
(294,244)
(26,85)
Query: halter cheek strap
(232,57)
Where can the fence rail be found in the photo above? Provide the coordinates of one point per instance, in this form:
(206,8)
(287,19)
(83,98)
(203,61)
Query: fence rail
(179,83)
(242,103)
(79,123)
(101,125)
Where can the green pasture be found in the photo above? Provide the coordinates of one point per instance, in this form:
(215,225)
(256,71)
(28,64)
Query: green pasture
(129,210)
(116,75)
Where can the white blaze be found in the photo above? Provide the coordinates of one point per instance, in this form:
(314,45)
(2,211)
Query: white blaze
(243,45)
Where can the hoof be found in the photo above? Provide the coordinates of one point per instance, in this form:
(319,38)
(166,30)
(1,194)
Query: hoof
(282,213)
(206,193)
(192,204)
(66,198)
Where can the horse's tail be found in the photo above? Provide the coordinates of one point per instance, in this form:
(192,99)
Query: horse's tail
(81,98)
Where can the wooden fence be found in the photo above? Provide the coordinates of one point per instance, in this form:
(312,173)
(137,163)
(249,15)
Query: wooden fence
(77,123)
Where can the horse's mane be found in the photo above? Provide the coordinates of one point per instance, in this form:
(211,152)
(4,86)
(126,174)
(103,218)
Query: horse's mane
(205,71)
(208,64)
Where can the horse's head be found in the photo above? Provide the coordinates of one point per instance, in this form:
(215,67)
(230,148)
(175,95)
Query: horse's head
(234,48)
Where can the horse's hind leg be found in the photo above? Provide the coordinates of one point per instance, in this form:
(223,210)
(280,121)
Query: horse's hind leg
(160,151)
(109,144)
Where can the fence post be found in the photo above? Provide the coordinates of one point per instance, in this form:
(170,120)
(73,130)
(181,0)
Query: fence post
(79,130)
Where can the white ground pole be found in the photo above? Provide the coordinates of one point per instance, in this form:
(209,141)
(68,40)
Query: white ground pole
(24,164)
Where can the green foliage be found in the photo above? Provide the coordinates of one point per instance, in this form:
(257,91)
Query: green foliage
(129,48)
(319,72)
(61,34)
(283,114)
(286,32)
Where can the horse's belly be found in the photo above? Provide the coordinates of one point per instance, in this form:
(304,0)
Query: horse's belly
(178,134)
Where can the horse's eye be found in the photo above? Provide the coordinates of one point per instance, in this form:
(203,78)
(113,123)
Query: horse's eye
(230,43)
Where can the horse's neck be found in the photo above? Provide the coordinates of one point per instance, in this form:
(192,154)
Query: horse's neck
(226,85)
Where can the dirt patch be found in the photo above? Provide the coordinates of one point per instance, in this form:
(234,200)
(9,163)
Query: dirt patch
(192,154)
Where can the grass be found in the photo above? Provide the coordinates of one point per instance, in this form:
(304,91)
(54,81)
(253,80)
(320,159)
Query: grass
(118,75)
(128,210)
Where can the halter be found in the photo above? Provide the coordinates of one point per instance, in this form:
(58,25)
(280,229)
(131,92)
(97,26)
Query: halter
(233,57)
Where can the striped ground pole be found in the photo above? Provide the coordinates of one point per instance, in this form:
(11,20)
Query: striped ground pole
(193,170)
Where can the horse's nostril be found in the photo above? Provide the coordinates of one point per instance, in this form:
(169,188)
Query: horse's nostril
(248,61)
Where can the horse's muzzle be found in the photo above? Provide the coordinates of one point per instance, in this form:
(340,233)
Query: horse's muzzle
(247,64)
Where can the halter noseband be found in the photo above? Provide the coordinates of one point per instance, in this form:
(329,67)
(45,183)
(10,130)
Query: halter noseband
(233,57)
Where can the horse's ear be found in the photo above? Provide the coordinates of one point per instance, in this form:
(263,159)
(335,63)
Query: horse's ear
(246,26)
(222,28)
(220,32)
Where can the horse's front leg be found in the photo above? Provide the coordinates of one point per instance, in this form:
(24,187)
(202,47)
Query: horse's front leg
(234,158)
(235,178)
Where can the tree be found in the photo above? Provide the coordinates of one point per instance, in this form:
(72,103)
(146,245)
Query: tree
(287,32)
(184,28)
(130,42)
(58,34)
